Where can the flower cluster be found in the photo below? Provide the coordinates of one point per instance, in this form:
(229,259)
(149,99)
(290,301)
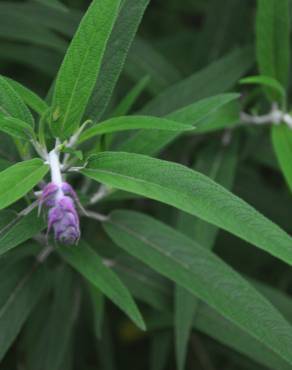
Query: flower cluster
(62,216)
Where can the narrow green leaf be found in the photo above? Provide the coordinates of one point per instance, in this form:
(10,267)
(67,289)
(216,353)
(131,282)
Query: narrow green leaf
(160,350)
(203,274)
(156,290)
(54,4)
(16,128)
(191,192)
(29,97)
(43,16)
(117,48)
(77,153)
(81,65)
(124,107)
(214,325)
(185,308)
(98,302)
(18,229)
(219,164)
(50,349)
(125,123)
(212,80)
(19,179)
(225,117)
(90,265)
(144,59)
(11,103)
(268,82)
(207,114)
(20,289)
(272,39)
(16,27)
(282,143)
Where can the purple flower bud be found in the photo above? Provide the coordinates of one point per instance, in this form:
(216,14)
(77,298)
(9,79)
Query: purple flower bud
(62,215)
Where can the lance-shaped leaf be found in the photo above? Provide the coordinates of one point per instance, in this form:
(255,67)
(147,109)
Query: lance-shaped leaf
(133,123)
(19,179)
(21,287)
(191,192)
(49,348)
(219,163)
(215,79)
(129,100)
(89,264)
(29,97)
(272,39)
(11,103)
(208,114)
(81,65)
(267,82)
(16,127)
(282,143)
(120,40)
(203,274)
(16,229)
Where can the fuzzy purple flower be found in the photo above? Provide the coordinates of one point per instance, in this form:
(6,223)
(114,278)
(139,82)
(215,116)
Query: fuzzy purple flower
(62,216)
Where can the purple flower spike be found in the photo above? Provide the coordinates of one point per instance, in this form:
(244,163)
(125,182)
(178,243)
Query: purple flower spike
(62,216)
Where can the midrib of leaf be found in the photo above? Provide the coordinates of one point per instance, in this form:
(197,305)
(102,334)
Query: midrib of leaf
(188,267)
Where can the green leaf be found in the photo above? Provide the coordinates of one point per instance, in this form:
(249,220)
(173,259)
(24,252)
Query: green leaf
(98,303)
(11,103)
(124,107)
(191,192)
(225,117)
(269,82)
(16,127)
(43,16)
(160,350)
(15,230)
(81,65)
(282,144)
(29,97)
(90,265)
(44,60)
(117,48)
(272,39)
(21,287)
(50,349)
(77,153)
(212,324)
(203,274)
(19,179)
(17,27)
(145,59)
(207,114)
(185,308)
(156,290)
(125,123)
(215,79)
(219,164)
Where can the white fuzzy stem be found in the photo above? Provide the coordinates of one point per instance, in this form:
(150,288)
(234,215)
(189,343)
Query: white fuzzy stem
(275,117)
(55,166)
